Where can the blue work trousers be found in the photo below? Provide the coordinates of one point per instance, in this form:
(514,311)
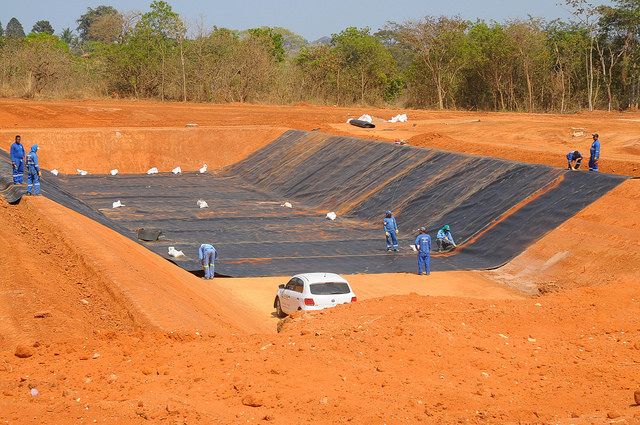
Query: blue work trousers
(207,263)
(423,263)
(18,170)
(392,240)
(33,183)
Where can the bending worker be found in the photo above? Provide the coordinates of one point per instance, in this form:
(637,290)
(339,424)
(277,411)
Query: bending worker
(391,231)
(444,239)
(33,178)
(574,159)
(208,255)
(423,245)
(17,160)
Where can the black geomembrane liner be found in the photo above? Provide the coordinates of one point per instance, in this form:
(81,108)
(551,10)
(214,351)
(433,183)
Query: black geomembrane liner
(496,208)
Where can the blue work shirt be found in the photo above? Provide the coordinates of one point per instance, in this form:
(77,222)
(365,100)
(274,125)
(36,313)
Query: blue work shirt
(445,234)
(423,243)
(595,150)
(17,152)
(32,161)
(573,155)
(207,247)
(389,224)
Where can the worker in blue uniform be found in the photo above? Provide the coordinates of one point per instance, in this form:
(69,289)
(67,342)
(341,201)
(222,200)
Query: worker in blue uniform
(574,159)
(208,255)
(444,239)
(595,153)
(391,231)
(33,168)
(423,246)
(17,160)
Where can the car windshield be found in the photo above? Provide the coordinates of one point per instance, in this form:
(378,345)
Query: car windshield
(329,288)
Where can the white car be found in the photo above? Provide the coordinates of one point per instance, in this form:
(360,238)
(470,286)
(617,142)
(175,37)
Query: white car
(312,291)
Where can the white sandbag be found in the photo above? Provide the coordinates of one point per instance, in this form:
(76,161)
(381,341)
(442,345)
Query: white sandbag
(365,117)
(202,204)
(114,171)
(287,205)
(118,204)
(399,118)
(175,253)
(177,170)
(203,169)
(81,172)
(54,172)
(331,215)
(153,170)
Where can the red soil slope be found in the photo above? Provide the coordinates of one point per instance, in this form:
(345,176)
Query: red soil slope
(107,332)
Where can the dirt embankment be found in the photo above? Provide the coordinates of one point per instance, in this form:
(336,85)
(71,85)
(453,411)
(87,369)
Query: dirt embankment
(107,332)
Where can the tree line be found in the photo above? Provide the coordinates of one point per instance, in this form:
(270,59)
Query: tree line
(443,62)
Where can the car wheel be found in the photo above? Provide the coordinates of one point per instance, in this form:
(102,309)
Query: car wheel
(279,311)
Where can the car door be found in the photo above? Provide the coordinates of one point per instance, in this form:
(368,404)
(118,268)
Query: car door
(287,301)
(296,296)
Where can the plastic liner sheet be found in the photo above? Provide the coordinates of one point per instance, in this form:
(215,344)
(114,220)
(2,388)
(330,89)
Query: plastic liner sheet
(496,208)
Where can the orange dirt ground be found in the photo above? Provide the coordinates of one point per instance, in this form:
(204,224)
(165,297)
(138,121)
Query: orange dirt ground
(105,331)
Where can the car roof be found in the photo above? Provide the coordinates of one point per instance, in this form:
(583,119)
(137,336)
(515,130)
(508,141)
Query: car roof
(321,277)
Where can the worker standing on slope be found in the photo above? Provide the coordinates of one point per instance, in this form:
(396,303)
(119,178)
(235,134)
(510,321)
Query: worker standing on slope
(208,255)
(574,159)
(444,239)
(17,160)
(391,231)
(423,246)
(595,153)
(33,178)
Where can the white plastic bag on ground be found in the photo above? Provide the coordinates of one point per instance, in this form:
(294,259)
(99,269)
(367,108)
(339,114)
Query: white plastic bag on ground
(365,117)
(174,252)
(287,205)
(177,170)
(114,171)
(81,172)
(203,169)
(399,118)
(54,172)
(153,170)
(331,215)
(118,204)
(202,204)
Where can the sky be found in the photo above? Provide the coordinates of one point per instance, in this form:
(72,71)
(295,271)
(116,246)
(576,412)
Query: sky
(310,19)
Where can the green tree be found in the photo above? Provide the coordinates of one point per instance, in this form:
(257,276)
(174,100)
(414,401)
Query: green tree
(89,18)
(585,13)
(159,24)
(530,43)
(566,44)
(42,27)
(14,29)
(620,33)
(317,67)
(1,30)
(271,38)
(292,43)
(108,28)
(68,37)
(441,46)
(365,63)
(493,62)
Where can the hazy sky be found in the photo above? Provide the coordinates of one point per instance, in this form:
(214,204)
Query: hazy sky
(310,19)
